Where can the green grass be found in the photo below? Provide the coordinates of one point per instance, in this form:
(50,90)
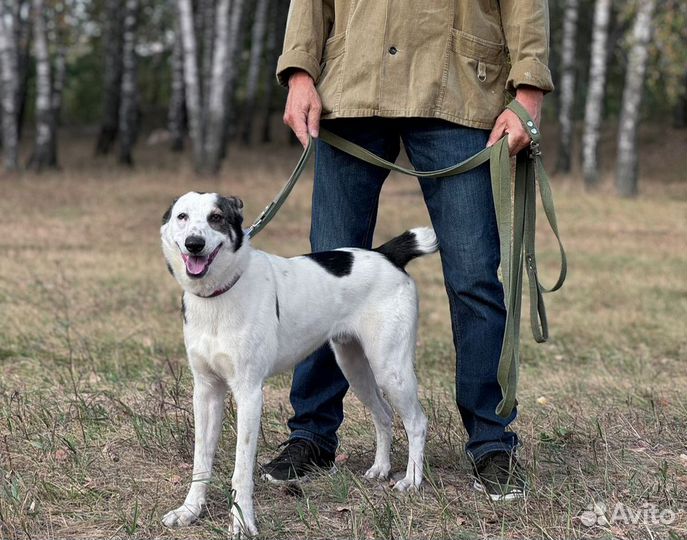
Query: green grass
(96,434)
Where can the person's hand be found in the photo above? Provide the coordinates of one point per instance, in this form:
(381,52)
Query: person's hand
(303,107)
(508,122)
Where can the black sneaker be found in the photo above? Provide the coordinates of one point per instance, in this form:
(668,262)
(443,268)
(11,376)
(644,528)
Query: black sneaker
(298,458)
(500,476)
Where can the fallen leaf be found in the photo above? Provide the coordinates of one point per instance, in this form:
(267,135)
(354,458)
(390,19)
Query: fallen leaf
(341,458)
(343,508)
(61,454)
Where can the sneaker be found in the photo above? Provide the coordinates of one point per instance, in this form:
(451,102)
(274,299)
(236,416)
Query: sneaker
(500,476)
(298,458)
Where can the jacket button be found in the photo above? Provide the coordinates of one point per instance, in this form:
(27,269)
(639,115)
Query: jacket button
(393,50)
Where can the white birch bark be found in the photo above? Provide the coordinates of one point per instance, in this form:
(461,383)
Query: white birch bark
(216,103)
(254,66)
(595,96)
(9,80)
(567,84)
(44,111)
(128,107)
(627,167)
(191,81)
(176,111)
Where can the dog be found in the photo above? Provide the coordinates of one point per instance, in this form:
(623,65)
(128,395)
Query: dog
(249,314)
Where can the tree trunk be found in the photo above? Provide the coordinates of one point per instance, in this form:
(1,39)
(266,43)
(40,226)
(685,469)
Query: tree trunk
(9,75)
(597,82)
(191,82)
(112,76)
(567,85)
(128,107)
(275,38)
(627,168)
(254,66)
(236,28)
(216,102)
(42,156)
(207,15)
(680,112)
(176,115)
(23,32)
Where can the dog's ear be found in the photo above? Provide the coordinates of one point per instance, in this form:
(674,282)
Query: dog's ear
(231,206)
(168,212)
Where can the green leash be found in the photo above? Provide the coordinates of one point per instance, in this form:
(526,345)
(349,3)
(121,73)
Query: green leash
(515,204)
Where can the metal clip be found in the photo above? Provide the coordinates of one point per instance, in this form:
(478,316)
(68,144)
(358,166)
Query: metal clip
(535,150)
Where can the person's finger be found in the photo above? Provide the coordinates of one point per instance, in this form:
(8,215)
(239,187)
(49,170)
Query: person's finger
(497,133)
(298,124)
(314,118)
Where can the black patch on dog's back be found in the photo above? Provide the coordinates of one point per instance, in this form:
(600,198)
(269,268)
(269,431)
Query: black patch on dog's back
(232,219)
(276,305)
(169,269)
(337,263)
(183,309)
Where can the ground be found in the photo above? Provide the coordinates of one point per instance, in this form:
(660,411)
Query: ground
(96,433)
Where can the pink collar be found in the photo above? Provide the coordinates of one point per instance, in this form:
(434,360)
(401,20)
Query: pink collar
(223,289)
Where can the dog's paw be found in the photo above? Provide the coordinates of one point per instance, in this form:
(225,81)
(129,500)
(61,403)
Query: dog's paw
(243,530)
(183,516)
(406,484)
(378,471)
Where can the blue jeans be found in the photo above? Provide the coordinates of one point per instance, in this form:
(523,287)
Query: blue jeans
(344,213)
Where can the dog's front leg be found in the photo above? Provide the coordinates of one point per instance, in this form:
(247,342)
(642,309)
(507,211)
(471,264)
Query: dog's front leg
(208,408)
(248,411)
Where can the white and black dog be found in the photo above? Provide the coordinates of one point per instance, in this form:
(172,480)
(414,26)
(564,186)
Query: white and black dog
(248,315)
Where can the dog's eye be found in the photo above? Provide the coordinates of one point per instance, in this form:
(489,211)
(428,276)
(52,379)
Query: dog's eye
(182,217)
(215,218)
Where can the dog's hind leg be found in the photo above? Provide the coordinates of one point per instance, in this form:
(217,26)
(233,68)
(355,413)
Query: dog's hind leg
(208,408)
(356,369)
(392,354)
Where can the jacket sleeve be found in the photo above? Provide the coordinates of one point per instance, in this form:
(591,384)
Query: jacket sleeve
(307,29)
(526,27)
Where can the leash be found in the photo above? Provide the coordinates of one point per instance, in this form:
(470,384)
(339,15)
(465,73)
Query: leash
(515,204)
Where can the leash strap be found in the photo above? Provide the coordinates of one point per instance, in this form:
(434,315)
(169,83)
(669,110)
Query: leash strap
(515,204)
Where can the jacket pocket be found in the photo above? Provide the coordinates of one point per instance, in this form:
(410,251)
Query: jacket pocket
(329,81)
(477,76)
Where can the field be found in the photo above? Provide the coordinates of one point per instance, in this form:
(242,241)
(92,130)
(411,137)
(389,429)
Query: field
(96,434)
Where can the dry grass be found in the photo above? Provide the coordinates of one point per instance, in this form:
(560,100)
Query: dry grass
(95,409)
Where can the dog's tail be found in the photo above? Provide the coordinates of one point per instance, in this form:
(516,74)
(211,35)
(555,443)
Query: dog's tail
(411,244)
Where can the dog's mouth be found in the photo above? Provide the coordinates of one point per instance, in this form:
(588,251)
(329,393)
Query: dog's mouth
(197,266)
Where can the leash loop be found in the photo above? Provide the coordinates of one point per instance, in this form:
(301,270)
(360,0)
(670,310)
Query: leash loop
(515,205)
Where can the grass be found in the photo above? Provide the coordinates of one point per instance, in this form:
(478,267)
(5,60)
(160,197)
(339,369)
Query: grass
(96,434)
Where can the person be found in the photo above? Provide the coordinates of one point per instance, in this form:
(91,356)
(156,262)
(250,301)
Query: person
(434,75)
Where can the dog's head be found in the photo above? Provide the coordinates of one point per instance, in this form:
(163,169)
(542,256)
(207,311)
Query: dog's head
(202,239)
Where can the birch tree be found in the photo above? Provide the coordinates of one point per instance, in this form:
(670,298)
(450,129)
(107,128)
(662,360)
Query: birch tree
(43,155)
(176,112)
(112,76)
(595,94)
(9,78)
(567,84)
(627,166)
(254,66)
(191,80)
(128,107)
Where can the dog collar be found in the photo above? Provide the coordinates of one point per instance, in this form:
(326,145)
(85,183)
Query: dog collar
(223,289)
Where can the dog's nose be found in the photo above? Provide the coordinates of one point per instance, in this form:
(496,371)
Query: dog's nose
(194,244)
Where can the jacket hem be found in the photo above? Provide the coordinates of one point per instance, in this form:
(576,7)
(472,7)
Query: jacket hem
(408,113)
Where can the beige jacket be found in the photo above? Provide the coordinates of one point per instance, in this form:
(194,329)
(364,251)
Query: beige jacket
(450,59)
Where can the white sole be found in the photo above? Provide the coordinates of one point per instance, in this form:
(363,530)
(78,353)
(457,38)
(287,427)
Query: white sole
(498,498)
(296,481)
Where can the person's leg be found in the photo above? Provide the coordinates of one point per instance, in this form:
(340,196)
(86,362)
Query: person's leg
(462,213)
(344,212)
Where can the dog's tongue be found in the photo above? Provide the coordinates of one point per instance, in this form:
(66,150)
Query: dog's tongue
(195,265)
